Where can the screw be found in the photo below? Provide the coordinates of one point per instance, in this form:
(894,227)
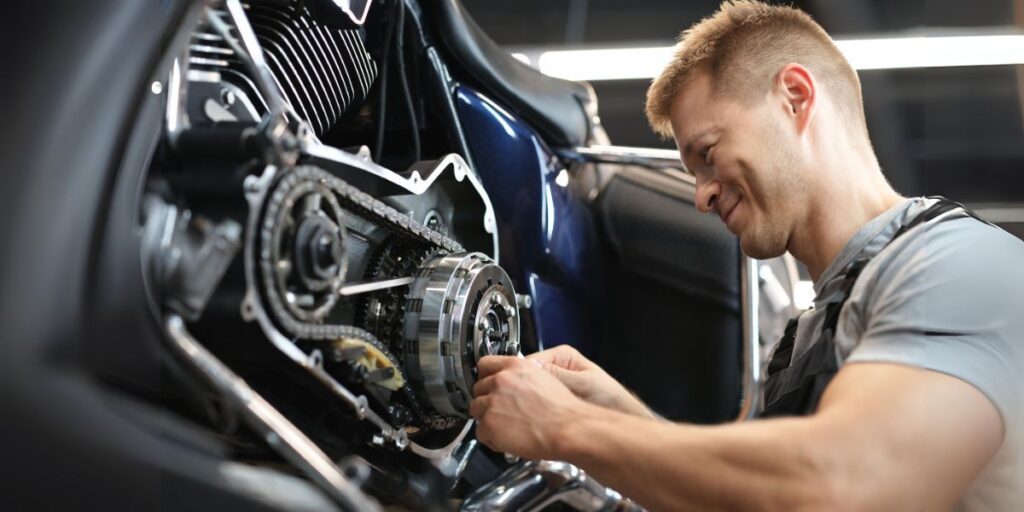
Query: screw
(227,98)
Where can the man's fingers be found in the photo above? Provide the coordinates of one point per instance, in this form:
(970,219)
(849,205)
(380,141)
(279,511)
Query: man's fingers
(544,355)
(551,368)
(478,406)
(572,379)
(562,356)
(551,355)
(489,365)
(568,376)
(484,386)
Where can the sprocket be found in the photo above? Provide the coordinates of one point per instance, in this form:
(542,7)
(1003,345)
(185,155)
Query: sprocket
(383,312)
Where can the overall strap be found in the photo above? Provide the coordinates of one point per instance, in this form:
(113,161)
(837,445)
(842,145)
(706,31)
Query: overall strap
(783,353)
(941,206)
(937,209)
(795,387)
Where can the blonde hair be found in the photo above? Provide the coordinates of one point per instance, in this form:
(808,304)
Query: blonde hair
(743,46)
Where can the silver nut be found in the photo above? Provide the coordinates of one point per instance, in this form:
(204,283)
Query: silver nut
(227,97)
(401,441)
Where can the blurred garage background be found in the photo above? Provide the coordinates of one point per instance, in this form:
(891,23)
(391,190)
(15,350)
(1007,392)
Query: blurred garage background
(954,129)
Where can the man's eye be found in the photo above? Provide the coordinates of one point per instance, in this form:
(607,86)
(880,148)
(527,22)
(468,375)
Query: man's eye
(704,153)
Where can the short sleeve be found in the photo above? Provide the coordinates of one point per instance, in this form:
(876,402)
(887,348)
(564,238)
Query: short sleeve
(948,300)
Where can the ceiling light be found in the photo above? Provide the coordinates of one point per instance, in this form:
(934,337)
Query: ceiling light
(863,54)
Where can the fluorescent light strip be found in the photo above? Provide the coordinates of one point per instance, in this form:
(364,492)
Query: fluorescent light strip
(934,52)
(883,53)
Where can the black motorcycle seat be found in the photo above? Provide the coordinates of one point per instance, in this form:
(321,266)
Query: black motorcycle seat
(557,108)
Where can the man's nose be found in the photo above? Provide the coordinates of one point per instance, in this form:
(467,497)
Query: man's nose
(707,193)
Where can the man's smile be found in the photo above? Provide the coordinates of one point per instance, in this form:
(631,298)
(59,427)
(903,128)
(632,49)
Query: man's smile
(728,214)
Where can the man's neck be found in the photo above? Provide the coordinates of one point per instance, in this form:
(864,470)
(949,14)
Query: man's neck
(838,213)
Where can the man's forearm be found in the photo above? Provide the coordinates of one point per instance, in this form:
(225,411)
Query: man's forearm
(675,466)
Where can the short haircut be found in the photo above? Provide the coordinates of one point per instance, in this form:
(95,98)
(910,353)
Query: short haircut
(743,46)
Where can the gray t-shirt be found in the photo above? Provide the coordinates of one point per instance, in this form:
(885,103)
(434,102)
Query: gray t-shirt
(946,296)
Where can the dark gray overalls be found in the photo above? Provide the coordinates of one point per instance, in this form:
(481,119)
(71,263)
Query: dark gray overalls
(794,388)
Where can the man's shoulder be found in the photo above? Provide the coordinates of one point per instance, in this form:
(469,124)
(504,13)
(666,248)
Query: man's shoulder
(945,298)
(946,273)
(961,244)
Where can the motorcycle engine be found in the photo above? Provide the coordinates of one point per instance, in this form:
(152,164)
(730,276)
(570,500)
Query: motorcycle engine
(381,289)
(320,250)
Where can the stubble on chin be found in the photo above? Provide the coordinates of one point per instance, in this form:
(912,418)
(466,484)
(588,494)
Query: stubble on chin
(766,235)
(765,243)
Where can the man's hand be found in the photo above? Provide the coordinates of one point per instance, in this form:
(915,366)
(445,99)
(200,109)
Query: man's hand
(588,381)
(520,408)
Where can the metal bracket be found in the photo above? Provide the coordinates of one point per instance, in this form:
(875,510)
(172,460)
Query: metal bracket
(186,256)
(279,433)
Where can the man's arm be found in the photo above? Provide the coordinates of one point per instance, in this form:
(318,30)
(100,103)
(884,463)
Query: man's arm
(885,437)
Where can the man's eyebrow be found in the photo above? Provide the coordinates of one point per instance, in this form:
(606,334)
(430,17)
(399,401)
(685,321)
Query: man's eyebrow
(688,147)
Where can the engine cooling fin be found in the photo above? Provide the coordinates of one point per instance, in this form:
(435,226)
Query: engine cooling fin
(322,71)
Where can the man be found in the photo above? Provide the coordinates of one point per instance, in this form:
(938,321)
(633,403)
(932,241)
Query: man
(899,390)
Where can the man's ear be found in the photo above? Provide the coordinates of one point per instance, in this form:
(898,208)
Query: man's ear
(799,92)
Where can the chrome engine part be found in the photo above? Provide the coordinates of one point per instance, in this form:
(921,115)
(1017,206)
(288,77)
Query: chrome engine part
(302,254)
(302,257)
(461,307)
(535,485)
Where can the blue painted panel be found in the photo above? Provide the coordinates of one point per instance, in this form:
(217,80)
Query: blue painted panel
(547,234)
